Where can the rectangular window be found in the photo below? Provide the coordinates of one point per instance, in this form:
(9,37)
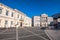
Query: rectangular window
(18,16)
(21,17)
(0,21)
(17,23)
(11,22)
(6,22)
(0,10)
(12,14)
(7,12)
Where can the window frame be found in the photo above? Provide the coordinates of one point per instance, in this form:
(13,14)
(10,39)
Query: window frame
(7,12)
(1,10)
(12,14)
(11,22)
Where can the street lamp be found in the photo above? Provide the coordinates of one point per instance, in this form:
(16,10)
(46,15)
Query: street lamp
(16,31)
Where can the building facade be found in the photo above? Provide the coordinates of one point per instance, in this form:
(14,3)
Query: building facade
(36,21)
(10,17)
(42,21)
(28,22)
(50,20)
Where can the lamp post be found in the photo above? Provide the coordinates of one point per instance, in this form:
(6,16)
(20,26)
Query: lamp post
(16,31)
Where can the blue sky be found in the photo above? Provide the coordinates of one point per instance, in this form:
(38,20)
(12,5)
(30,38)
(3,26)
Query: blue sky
(34,7)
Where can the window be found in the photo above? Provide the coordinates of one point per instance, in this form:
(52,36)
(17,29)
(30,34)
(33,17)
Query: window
(12,14)
(0,21)
(6,22)
(11,22)
(7,12)
(0,10)
(18,16)
(21,17)
(17,23)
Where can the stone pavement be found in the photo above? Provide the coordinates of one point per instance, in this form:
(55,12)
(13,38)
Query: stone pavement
(34,33)
(53,34)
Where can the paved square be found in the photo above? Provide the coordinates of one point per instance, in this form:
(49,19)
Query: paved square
(30,33)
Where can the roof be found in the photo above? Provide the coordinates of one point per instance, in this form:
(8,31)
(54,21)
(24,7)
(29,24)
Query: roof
(44,15)
(6,6)
(12,8)
(19,11)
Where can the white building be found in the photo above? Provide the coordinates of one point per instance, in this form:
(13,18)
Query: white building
(50,20)
(10,17)
(42,21)
(36,21)
(28,22)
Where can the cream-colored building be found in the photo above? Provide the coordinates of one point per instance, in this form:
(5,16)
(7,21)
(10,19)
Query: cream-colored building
(28,22)
(36,21)
(10,17)
(42,21)
(50,20)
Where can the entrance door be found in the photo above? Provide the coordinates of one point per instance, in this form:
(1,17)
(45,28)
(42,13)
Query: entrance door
(21,24)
